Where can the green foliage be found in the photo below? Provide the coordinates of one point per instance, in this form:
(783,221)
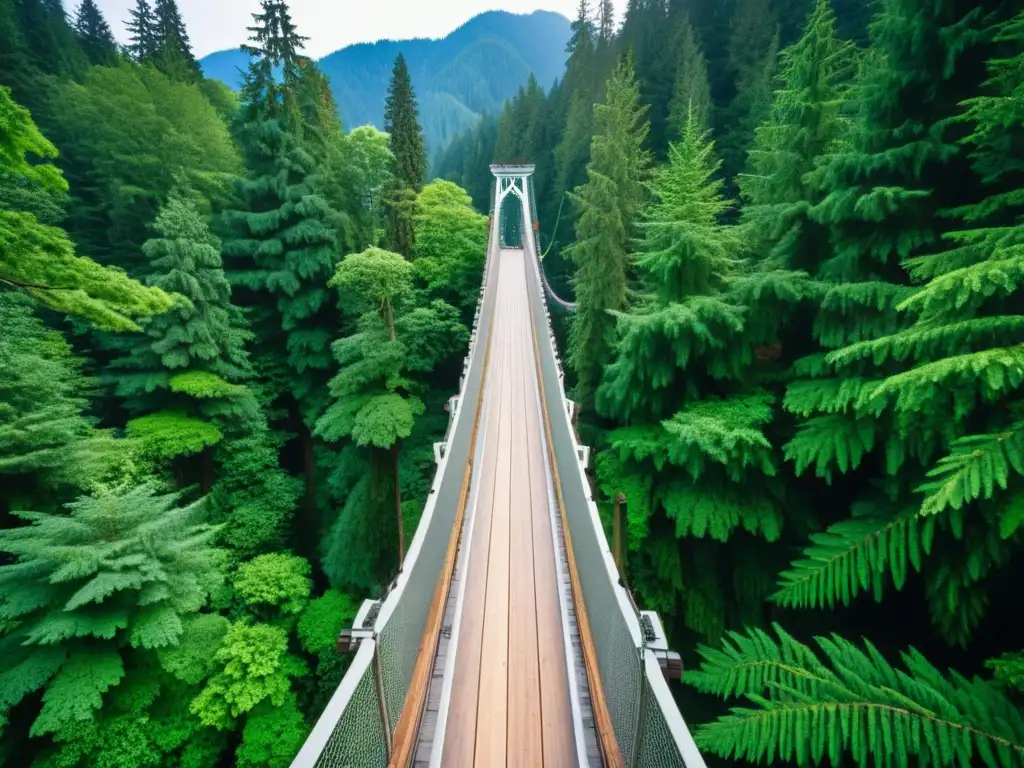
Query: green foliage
(323,618)
(197,348)
(94,34)
(372,279)
(254,666)
(40,259)
(130,135)
(253,496)
(451,240)
(272,735)
(42,425)
(167,434)
(76,692)
(123,569)
(849,703)
(692,95)
(192,660)
(277,580)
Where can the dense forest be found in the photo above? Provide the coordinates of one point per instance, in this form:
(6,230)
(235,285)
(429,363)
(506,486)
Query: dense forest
(229,330)
(794,230)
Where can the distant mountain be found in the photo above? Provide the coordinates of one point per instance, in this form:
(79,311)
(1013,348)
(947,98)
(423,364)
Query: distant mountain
(458,78)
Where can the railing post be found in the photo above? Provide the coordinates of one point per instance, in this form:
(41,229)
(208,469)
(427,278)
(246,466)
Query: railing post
(620,561)
(378,679)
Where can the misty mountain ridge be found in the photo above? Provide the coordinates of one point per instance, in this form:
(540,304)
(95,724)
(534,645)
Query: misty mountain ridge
(458,78)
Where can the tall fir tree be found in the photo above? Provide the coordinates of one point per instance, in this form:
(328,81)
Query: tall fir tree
(608,204)
(143,32)
(294,257)
(806,122)
(692,93)
(282,243)
(94,34)
(174,50)
(879,404)
(401,123)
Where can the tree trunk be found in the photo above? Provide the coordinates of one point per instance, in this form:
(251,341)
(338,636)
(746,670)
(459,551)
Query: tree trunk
(398,510)
(391,320)
(207,480)
(309,470)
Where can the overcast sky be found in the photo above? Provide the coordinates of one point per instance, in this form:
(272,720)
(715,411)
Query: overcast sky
(215,25)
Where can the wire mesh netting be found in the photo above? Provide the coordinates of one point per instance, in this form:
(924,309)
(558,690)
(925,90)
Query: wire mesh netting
(358,739)
(658,746)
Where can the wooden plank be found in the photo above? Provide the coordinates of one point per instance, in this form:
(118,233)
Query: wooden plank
(525,746)
(460,731)
(492,707)
(557,713)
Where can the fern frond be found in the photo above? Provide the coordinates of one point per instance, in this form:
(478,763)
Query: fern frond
(855,556)
(851,701)
(976,467)
(807,397)
(702,512)
(831,442)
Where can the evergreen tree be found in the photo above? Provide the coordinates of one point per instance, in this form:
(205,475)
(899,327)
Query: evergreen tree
(173,49)
(805,123)
(608,203)
(606,23)
(123,570)
(692,92)
(647,33)
(144,32)
(42,421)
(283,241)
(897,385)
(182,378)
(401,123)
(753,49)
(94,34)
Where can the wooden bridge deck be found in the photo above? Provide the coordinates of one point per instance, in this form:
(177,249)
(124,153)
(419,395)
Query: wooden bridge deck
(509,697)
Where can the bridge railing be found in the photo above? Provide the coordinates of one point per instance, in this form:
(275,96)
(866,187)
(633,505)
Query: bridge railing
(638,706)
(360,727)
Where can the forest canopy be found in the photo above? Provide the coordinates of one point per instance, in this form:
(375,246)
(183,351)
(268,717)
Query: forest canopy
(231,323)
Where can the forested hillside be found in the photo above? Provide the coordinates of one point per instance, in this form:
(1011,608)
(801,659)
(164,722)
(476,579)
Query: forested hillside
(229,330)
(794,233)
(468,73)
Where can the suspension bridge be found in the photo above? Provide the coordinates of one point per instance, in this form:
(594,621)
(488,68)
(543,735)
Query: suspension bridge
(508,638)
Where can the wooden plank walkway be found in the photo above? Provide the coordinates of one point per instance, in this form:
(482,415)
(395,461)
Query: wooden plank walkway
(509,696)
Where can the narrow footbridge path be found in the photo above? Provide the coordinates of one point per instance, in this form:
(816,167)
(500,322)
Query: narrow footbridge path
(507,639)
